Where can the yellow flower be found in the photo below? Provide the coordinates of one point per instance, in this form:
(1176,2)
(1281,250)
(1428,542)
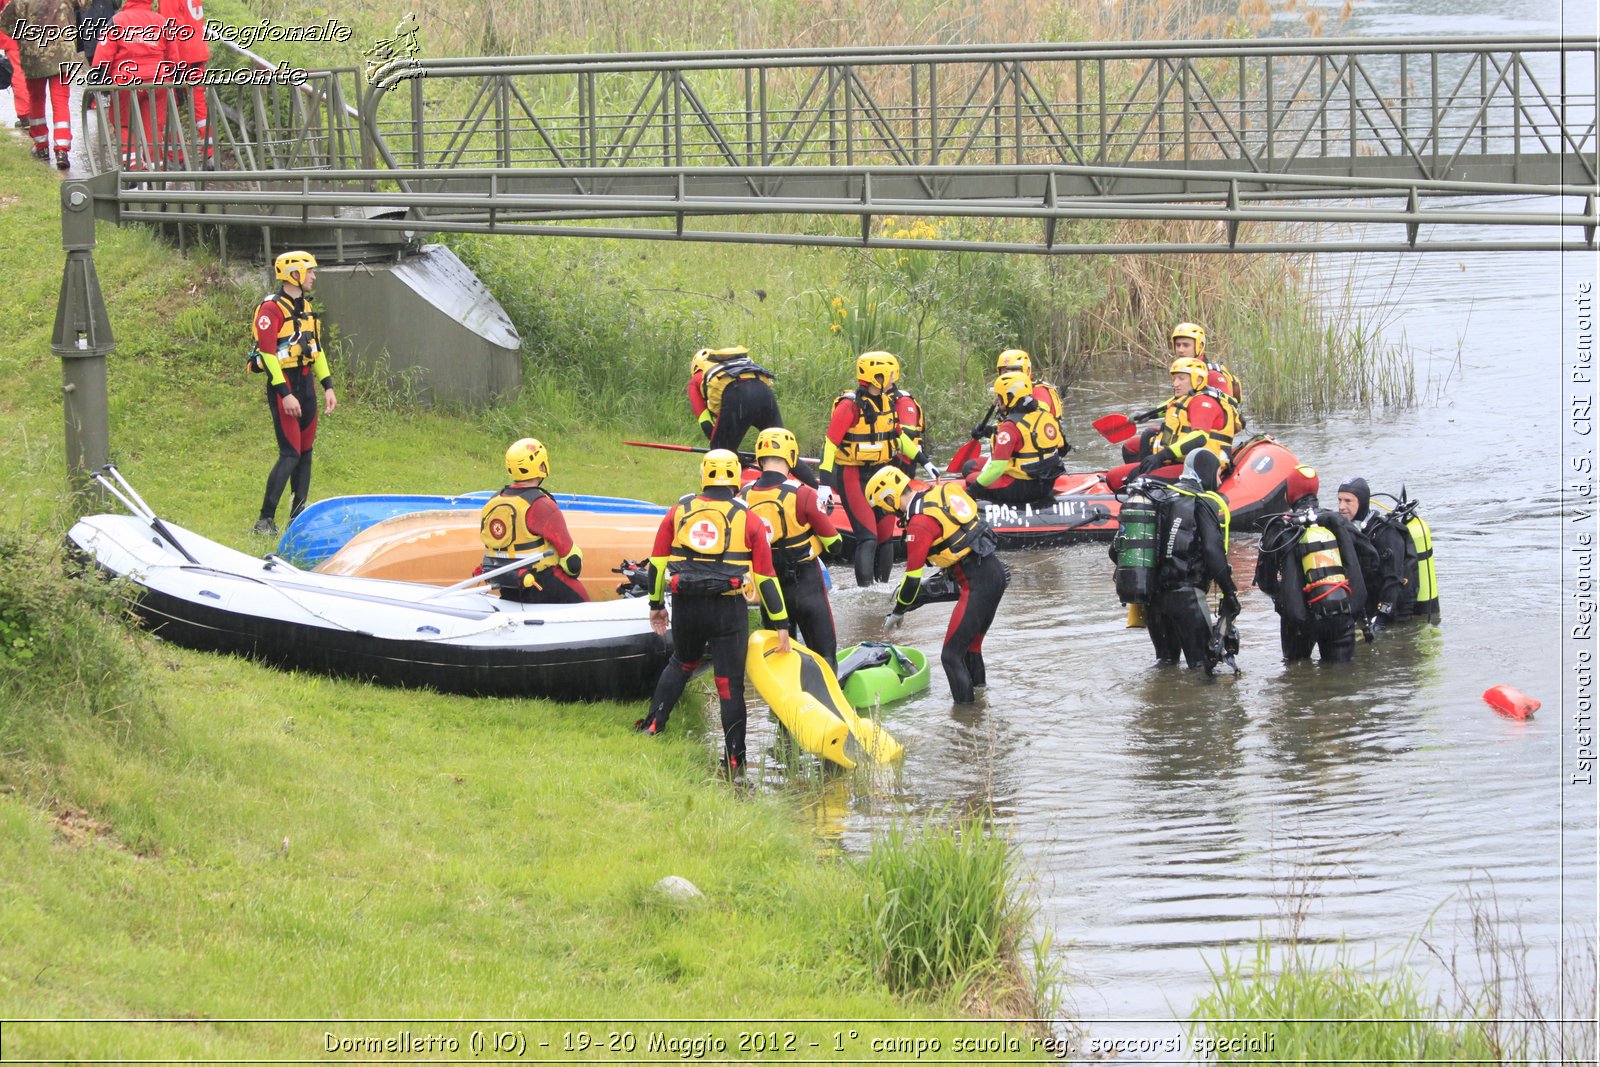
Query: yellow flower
(835,327)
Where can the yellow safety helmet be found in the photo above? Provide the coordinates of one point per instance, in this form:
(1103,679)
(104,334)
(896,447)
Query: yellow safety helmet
(1011,388)
(776,441)
(288,264)
(1014,359)
(1196,369)
(1195,332)
(700,361)
(720,467)
(527,459)
(877,368)
(885,488)
(717,355)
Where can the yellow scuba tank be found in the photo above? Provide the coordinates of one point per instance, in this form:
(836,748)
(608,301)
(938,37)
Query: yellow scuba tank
(1427,578)
(1327,586)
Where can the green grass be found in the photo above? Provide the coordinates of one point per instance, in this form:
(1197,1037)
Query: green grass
(1328,1009)
(192,836)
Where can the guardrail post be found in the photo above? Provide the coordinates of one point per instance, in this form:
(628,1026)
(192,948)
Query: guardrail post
(82,339)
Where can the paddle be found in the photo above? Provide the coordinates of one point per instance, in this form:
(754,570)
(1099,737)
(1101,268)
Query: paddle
(1118,427)
(973,449)
(526,561)
(142,511)
(747,458)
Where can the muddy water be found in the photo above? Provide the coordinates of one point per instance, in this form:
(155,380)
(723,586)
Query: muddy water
(1167,815)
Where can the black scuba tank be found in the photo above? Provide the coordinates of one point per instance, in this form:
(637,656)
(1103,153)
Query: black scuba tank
(1135,576)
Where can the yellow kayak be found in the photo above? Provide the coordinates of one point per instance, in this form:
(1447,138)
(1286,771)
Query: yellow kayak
(803,693)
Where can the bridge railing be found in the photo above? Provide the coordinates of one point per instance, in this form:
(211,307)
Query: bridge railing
(1422,108)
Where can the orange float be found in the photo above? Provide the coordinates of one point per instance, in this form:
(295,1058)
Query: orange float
(1509,701)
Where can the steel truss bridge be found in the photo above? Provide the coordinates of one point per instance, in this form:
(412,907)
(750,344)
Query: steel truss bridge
(1254,145)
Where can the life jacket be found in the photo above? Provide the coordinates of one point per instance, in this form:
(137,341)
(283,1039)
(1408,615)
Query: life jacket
(1179,548)
(908,413)
(503,527)
(708,555)
(721,375)
(1048,398)
(1326,580)
(1219,441)
(1230,384)
(961,532)
(1038,453)
(793,541)
(870,439)
(298,335)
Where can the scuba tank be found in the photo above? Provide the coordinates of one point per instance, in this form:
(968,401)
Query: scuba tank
(1326,586)
(1135,576)
(1427,579)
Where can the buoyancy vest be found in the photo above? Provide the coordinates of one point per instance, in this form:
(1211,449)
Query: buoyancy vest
(503,527)
(709,554)
(721,375)
(961,532)
(1177,424)
(1232,389)
(1038,453)
(1179,546)
(299,335)
(1324,575)
(1048,397)
(871,437)
(793,541)
(908,414)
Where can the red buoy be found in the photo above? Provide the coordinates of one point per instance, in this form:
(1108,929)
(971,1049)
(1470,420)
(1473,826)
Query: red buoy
(1508,701)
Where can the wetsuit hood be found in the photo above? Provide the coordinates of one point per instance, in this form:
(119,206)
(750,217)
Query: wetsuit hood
(1357,487)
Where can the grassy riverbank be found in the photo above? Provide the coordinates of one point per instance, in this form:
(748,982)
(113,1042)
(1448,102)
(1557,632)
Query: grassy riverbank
(193,837)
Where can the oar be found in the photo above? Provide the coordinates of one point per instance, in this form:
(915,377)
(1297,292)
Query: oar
(1118,427)
(526,561)
(744,457)
(973,449)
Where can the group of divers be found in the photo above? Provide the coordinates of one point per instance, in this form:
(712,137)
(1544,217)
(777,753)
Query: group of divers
(1330,572)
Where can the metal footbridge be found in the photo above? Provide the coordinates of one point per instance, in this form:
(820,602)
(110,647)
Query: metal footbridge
(1033,148)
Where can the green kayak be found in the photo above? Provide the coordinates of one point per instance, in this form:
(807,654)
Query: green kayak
(874,672)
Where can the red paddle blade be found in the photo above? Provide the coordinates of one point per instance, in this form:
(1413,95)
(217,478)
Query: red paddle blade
(1115,427)
(970,451)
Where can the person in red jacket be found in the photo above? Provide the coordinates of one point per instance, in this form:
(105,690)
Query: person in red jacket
(139,47)
(523,522)
(19,80)
(44,49)
(188,19)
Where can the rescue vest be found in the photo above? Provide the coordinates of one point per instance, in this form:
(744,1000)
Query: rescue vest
(1326,584)
(1038,453)
(793,541)
(1048,398)
(1177,424)
(719,376)
(1232,389)
(908,414)
(870,439)
(503,527)
(298,335)
(709,555)
(961,532)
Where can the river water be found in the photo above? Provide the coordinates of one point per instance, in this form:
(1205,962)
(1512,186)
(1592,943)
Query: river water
(1167,816)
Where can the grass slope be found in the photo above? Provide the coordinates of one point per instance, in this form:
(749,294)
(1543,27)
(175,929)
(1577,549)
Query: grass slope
(234,841)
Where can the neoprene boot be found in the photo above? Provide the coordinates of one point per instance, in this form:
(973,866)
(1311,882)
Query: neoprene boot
(975,668)
(866,560)
(674,679)
(883,564)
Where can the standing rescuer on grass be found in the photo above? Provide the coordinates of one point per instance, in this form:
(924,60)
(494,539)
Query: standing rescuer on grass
(704,548)
(289,351)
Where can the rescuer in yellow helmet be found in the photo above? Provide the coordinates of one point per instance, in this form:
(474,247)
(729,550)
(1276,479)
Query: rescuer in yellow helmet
(522,521)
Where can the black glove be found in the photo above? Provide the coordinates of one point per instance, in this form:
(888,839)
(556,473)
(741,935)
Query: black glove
(1148,464)
(1230,604)
(982,430)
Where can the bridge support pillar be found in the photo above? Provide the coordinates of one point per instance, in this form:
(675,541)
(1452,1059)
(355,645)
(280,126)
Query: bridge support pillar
(82,339)
(427,323)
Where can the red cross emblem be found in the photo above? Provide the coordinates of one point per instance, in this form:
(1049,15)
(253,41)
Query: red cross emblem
(497,529)
(703,535)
